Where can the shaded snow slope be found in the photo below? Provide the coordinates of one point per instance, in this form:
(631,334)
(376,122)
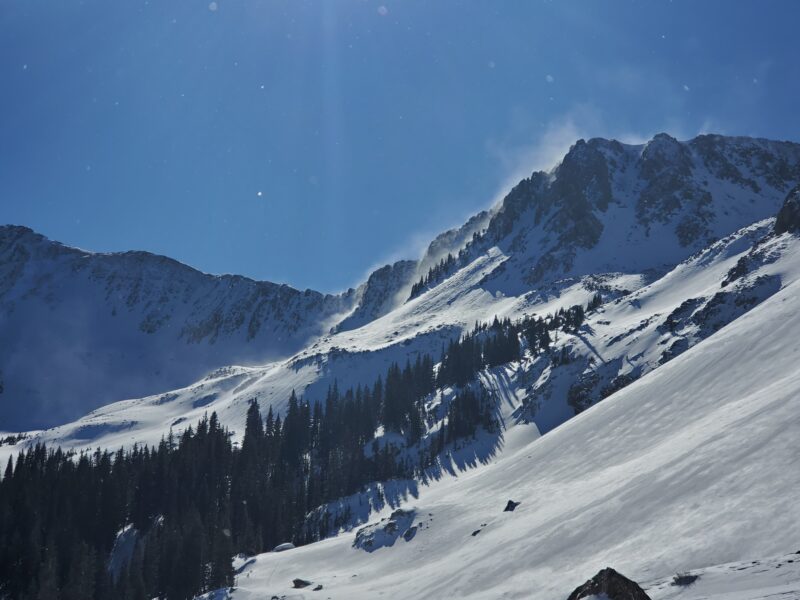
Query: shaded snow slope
(693,465)
(81,329)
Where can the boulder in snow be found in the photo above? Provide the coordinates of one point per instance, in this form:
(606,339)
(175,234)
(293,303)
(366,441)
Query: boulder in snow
(386,531)
(610,585)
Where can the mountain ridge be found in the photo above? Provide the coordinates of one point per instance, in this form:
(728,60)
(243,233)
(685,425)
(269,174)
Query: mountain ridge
(610,216)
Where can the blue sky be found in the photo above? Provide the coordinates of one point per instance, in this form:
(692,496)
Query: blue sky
(308,141)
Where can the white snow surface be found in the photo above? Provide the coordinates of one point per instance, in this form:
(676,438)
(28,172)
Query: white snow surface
(694,465)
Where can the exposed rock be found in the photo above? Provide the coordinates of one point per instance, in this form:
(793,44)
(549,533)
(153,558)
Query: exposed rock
(683,579)
(609,584)
(511,505)
(410,533)
(386,531)
(788,219)
(301,583)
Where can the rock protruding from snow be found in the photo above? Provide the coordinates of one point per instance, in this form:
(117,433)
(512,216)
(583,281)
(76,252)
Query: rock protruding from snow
(611,585)
(386,531)
(788,219)
(511,506)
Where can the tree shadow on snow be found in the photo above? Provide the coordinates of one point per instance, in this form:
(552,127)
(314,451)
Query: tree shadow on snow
(480,451)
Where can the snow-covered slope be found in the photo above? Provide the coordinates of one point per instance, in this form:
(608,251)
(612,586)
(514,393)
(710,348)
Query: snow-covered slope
(693,465)
(611,207)
(635,223)
(687,463)
(80,329)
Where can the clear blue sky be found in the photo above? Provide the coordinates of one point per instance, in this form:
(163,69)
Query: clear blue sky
(307,141)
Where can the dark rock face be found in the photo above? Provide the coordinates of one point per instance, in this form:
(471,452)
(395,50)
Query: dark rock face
(582,184)
(666,165)
(685,194)
(788,219)
(511,505)
(301,583)
(612,584)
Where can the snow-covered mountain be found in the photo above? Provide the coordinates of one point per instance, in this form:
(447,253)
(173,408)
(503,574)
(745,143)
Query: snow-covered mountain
(688,461)
(82,330)
(693,466)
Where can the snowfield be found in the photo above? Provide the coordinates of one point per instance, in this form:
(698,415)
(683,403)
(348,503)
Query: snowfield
(692,466)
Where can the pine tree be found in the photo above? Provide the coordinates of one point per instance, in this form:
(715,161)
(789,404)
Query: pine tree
(47,588)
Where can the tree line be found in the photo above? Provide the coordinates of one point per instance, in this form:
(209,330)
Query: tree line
(197,498)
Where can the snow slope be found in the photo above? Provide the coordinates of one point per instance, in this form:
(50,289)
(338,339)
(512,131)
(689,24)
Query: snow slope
(81,330)
(693,465)
(623,340)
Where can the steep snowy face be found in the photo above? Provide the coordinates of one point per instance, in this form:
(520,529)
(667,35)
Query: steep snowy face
(81,329)
(692,466)
(611,207)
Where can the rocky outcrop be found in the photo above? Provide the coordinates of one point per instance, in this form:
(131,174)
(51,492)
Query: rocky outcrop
(666,194)
(610,585)
(671,191)
(387,531)
(788,219)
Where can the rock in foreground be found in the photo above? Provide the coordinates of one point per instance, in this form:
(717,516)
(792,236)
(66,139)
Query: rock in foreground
(610,585)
